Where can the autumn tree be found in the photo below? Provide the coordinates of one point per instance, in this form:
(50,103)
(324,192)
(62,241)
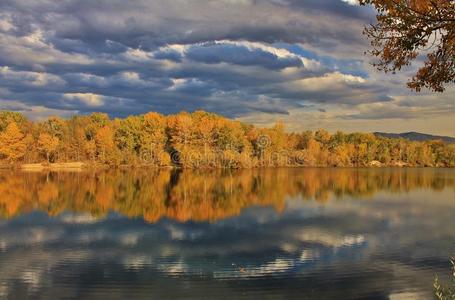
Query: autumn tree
(94,122)
(406,29)
(48,144)
(204,132)
(91,124)
(232,142)
(313,152)
(7,117)
(104,139)
(13,144)
(90,149)
(181,132)
(153,139)
(204,140)
(383,152)
(127,137)
(57,128)
(76,139)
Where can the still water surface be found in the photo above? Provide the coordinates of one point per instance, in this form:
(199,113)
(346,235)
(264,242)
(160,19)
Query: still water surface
(251,234)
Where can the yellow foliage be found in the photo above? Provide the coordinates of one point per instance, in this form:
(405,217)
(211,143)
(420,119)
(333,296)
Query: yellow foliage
(13,143)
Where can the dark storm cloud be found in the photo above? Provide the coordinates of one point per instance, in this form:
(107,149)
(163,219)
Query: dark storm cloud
(240,55)
(153,23)
(339,8)
(234,57)
(168,54)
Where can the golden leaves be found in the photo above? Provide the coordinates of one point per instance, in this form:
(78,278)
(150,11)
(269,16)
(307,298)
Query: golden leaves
(13,142)
(409,28)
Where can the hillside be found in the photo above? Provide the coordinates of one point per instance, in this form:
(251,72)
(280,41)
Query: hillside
(417,136)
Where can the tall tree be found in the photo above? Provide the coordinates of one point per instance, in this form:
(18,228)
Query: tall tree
(407,28)
(181,131)
(153,139)
(13,143)
(6,117)
(48,144)
(104,139)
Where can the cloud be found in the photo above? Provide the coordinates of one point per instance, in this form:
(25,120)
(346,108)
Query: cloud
(88,99)
(405,107)
(238,54)
(239,58)
(351,2)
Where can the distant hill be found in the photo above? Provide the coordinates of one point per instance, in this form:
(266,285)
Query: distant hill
(416,136)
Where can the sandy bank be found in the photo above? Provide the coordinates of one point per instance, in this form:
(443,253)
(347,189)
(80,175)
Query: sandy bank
(54,166)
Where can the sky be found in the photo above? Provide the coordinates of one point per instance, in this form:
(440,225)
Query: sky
(301,62)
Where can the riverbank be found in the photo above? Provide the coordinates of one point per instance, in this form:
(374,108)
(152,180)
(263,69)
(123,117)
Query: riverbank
(80,166)
(74,166)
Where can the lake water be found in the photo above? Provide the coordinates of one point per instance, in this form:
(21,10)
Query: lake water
(251,234)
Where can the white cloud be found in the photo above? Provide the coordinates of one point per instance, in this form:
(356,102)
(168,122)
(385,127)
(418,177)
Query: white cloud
(38,79)
(329,80)
(137,54)
(89,99)
(5,25)
(351,2)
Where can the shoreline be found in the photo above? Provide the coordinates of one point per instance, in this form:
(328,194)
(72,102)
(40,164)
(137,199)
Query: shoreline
(84,166)
(33,167)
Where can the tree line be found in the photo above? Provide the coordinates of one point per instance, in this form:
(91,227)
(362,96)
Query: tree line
(202,140)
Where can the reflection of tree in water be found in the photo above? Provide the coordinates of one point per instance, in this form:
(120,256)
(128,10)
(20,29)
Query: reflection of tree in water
(199,195)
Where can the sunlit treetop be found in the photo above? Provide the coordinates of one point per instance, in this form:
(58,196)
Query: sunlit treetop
(406,29)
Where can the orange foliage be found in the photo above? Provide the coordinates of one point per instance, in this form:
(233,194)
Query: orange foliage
(198,196)
(13,143)
(407,28)
(204,140)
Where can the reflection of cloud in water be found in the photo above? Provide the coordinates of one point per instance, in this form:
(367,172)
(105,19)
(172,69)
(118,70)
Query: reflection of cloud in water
(136,261)
(3,289)
(408,296)
(176,268)
(328,239)
(78,218)
(129,239)
(2,245)
(385,244)
(29,236)
(308,256)
(91,237)
(276,267)
(179,233)
(32,278)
